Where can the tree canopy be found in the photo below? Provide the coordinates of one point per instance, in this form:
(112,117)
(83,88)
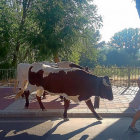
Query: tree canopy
(122,50)
(127,39)
(138,6)
(41,30)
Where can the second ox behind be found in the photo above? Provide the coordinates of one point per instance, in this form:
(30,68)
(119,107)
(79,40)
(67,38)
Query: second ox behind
(73,84)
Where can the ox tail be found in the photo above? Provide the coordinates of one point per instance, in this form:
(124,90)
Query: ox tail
(18,95)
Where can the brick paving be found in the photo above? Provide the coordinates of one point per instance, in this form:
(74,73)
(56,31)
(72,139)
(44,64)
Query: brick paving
(6,97)
(125,103)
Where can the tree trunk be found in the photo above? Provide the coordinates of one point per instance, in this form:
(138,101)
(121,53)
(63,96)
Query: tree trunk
(14,63)
(26,4)
(56,57)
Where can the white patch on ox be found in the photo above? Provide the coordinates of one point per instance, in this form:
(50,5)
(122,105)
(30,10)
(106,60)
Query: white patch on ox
(38,66)
(33,88)
(39,92)
(73,98)
(22,73)
(64,64)
(50,64)
(49,70)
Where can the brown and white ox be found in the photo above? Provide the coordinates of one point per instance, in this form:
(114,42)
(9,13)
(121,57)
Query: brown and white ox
(23,68)
(72,83)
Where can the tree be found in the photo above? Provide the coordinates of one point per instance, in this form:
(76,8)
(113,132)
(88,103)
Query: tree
(128,40)
(15,31)
(39,30)
(123,50)
(63,24)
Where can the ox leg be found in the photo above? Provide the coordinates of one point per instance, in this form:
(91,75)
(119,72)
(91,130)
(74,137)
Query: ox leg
(66,106)
(90,106)
(40,103)
(26,93)
(44,95)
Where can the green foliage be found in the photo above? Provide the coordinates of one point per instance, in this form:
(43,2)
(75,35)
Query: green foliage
(123,50)
(64,25)
(116,57)
(14,41)
(36,30)
(128,40)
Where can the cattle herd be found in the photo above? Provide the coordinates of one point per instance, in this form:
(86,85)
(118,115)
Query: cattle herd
(66,79)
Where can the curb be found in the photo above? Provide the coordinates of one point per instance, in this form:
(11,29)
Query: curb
(59,113)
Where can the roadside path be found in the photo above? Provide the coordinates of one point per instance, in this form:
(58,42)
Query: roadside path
(125,103)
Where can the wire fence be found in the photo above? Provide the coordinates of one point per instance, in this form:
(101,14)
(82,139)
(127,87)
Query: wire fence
(118,76)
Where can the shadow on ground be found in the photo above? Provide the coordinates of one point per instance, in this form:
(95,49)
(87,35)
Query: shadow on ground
(117,130)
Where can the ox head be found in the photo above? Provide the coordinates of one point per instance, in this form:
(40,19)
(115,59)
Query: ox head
(105,88)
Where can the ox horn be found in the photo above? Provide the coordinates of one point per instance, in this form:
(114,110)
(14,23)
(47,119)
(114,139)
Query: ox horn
(105,83)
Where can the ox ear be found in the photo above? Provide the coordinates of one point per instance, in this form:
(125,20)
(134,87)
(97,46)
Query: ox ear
(106,77)
(106,81)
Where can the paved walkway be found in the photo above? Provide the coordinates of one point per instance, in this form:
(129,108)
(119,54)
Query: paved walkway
(125,103)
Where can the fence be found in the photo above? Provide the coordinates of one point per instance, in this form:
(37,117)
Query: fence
(118,76)
(7,77)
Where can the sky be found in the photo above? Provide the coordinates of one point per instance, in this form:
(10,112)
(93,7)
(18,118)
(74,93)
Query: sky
(117,15)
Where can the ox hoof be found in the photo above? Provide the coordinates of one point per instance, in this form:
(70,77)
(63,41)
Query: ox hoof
(25,107)
(44,109)
(66,119)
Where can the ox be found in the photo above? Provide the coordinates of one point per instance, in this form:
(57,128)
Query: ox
(73,84)
(23,68)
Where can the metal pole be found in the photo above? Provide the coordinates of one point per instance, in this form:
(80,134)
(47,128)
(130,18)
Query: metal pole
(128,76)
